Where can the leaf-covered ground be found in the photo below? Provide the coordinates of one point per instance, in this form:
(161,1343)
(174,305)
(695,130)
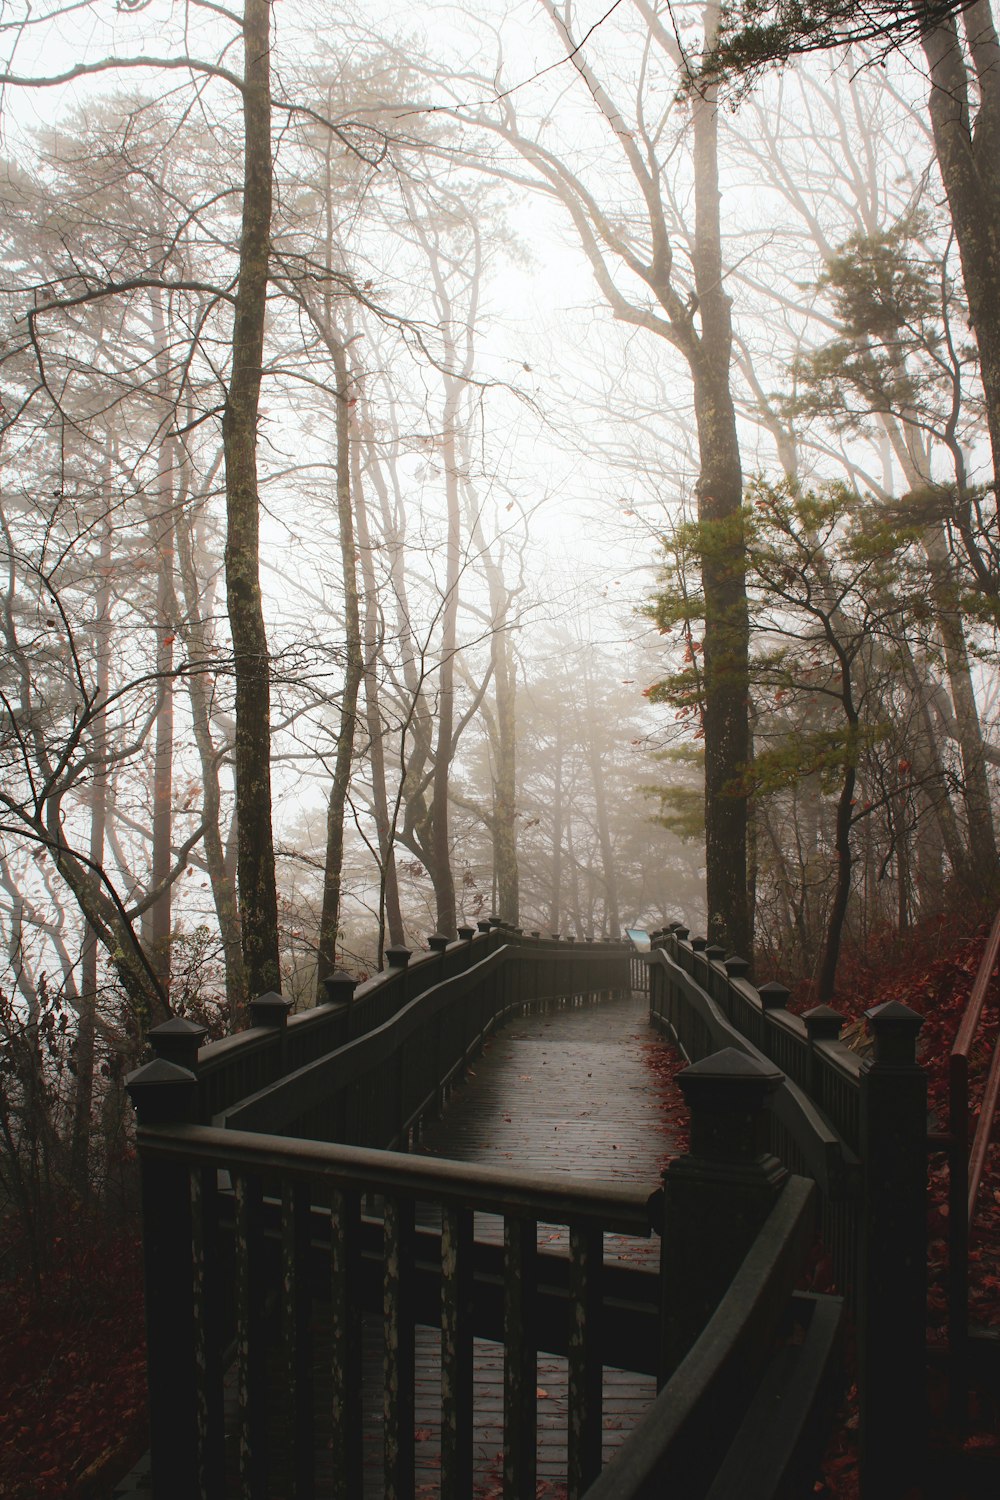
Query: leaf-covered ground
(72,1369)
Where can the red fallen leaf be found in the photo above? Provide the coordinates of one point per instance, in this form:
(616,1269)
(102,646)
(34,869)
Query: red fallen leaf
(421,1434)
(541,1395)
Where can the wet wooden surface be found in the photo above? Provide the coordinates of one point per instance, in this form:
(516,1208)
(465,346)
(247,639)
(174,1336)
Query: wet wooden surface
(573,1091)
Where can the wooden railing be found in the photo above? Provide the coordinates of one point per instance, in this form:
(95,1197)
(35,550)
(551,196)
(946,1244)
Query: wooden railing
(264,1250)
(245,1231)
(245,1266)
(859,1129)
(966,1153)
(710,1430)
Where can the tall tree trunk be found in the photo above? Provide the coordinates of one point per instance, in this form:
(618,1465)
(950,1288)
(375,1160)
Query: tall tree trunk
(723,555)
(612,919)
(975,782)
(389,909)
(156,925)
(255,857)
(505,779)
(333,869)
(200,691)
(441,872)
(969,161)
(84,1052)
(555,899)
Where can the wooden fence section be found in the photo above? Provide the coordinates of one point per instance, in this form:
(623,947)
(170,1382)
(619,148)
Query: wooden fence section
(247,1232)
(859,1129)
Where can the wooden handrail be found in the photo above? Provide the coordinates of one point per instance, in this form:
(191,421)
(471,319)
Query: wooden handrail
(958,1080)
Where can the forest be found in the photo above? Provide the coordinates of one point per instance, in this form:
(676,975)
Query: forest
(535,459)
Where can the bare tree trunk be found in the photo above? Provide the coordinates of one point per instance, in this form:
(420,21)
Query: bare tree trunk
(389,908)
(157,920)
(969,160)
(200,684)
(326,957)
(256,876)
(555,901)
(612,919)
(505,779)
(723,559)
(84,1051)
(441,872)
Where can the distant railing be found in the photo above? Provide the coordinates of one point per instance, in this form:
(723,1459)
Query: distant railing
(858,1128)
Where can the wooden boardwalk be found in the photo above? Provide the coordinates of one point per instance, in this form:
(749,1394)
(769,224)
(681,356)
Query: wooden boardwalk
(574,1091)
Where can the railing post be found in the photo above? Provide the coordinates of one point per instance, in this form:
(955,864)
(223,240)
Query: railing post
(822,1025)
(892,1274)
(177,1041)
(714,955)
(165,1094)
(272,1011)
(339,988)
(466,934)
(717,1196)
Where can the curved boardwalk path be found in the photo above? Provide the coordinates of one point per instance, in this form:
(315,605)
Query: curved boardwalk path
(580,1091)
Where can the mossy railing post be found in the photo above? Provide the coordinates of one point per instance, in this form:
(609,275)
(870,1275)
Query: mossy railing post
(892,1275)
(164,1093)
(717,1196)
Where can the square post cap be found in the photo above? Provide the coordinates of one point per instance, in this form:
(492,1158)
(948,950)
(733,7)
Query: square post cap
(895,1028)
(437,942)
(715,952)
(737,968)
(177,1041)
(699,944)
(339,987)
(680,932)
(534,933)
(271,1009)
(726,1094)
(466,934)
(163,1093)
(555,936)
(483,926)
(823,1024)
(397,957)
(774,995)
(493,920)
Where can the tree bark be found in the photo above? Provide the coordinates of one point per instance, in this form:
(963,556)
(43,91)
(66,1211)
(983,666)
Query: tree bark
(84,1051)
(969,160)
(200,688)
(389,909)
(255,856)
(723,561)
(333,869)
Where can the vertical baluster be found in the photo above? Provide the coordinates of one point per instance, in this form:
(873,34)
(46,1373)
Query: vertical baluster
(520,1365)
(297,1330)
(586,1250)
(345,1266)
(207,1333)
(400,1249)
(251,1365)
(456,1353)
